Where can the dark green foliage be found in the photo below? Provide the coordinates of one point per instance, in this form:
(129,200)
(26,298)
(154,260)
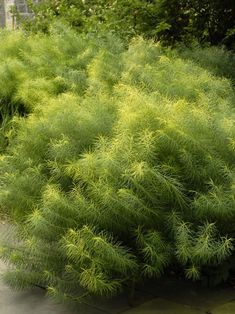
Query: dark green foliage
(171,21)
(123,168)
(211,21)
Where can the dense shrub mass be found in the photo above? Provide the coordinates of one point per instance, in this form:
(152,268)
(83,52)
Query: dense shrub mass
(34,69)
(217,61)
(123,169)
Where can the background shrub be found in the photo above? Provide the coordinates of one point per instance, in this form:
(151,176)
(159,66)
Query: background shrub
(170,21)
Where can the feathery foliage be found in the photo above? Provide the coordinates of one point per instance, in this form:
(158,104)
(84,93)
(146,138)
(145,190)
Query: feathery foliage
(124,166)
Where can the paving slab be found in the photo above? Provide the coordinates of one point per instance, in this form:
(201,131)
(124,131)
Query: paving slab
(189,293)
(122,302)
(227,308)
(163,306)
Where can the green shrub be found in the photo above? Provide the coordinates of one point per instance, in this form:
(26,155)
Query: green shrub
(34,69)
(218,61)
(124,168)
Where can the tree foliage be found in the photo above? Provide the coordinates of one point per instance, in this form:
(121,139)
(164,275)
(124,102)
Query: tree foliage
(167,20)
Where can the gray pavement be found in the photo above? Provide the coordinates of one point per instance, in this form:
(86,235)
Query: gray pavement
(162,306)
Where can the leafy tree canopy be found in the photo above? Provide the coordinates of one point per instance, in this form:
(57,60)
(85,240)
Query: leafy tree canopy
(170,21)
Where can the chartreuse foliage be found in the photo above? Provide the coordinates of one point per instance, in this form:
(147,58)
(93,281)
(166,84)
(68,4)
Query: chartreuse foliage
(34,69)
(123,169)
